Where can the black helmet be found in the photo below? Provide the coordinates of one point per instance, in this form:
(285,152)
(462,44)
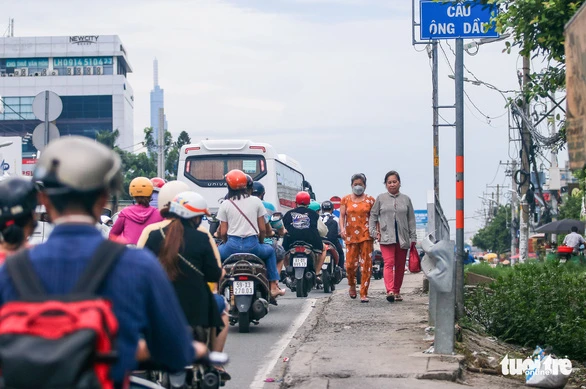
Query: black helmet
(18,198)
(258,189)
(327,206)
(249,182)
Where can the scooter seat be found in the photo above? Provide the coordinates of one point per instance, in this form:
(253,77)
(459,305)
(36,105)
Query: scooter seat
(301,243)
(234,258)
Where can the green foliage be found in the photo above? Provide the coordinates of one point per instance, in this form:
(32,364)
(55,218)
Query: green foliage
(570,207)
(536,304)
(484,269)
(495,236)
(108,138)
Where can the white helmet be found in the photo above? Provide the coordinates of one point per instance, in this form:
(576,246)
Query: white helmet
(169,191)
(189,204)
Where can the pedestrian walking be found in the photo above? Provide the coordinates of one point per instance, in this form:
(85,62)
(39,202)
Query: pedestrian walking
(392,223)
(354,221)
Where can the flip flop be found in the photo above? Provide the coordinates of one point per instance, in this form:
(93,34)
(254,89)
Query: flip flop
(398,297)
(364,300)
(390,297)
(352,292)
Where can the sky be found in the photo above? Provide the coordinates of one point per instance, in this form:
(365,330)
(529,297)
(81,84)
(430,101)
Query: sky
(335,84)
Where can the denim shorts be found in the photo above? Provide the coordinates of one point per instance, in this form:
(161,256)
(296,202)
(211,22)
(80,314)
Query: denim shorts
(221,302)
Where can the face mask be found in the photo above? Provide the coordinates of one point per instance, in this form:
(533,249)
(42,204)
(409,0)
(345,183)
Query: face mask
(358,190)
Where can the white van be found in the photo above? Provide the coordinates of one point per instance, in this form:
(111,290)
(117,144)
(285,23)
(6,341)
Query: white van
(203,166)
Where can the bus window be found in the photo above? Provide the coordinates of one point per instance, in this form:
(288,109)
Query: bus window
(209,170)
(289,183)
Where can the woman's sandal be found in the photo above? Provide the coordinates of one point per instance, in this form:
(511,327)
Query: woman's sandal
(352,292)
(364,300)
(398,297)
(390,297)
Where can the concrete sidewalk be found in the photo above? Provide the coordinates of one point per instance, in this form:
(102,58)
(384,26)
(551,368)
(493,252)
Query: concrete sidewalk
(348,344)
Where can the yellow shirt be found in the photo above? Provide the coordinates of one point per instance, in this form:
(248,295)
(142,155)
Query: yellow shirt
(153,227)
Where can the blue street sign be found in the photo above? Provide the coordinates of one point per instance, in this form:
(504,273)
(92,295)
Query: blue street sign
(467,19)
(421,218)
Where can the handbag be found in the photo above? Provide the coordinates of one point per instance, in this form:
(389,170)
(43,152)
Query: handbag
(414,260)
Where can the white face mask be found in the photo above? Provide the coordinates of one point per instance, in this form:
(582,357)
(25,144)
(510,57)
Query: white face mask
(358,190)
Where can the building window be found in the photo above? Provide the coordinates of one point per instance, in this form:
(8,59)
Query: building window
(17,108)
(82,107)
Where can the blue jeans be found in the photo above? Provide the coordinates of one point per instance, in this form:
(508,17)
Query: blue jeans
(250,245)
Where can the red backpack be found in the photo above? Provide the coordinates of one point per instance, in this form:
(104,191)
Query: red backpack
(50,341)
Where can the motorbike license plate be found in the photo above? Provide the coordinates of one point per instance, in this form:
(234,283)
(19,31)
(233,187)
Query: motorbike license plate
(299,262)
(328,259)
(243,288)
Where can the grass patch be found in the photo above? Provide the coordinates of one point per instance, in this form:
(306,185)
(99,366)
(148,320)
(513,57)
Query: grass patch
(484,269)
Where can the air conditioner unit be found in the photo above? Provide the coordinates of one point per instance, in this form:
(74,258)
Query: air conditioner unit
(54,72)
(99,70)
(88,70)
(70,70)
(23,72)
(37,74)
(3,75)
(79,70)
(17,72)
(10,74)
(44,72)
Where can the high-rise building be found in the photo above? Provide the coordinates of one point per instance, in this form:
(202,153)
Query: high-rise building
(157,101)
(89,74)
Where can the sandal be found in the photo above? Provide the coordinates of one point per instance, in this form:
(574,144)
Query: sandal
(224,376)
(390,297)
(364,300)
(398,297)
(352,292)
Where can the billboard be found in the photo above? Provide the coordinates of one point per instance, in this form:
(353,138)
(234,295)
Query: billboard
(421,223)
(11,155)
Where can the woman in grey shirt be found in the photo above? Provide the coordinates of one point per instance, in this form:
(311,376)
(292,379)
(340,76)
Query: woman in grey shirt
(392,223)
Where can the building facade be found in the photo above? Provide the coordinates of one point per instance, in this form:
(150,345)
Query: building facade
(88,72)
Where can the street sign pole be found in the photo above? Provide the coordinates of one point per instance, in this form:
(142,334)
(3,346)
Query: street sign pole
(46,117)
(459,81)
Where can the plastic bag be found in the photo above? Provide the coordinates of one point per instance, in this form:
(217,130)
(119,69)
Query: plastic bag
(414,260)
(542,375)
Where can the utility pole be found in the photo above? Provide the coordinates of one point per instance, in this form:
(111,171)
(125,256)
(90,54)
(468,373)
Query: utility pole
(161,145)
(459,104)
(435,102)
(553,171)
(525,167)
(513,211)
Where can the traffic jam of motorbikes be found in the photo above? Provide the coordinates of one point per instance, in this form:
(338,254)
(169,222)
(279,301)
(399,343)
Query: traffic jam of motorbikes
(146,296)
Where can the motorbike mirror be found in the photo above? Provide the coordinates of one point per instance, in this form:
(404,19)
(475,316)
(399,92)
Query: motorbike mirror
(277,216)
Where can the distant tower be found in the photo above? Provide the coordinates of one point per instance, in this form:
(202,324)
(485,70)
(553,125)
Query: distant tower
(157,101)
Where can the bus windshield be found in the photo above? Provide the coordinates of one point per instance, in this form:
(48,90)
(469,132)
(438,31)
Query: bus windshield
(206,170)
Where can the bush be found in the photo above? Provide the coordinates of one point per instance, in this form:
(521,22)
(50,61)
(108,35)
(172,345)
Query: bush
(536,304)
(484,269)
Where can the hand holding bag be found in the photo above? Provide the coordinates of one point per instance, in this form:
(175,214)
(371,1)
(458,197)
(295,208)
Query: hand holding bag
(414,260)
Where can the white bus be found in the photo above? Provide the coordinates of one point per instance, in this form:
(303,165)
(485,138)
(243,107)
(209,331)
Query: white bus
(203,166)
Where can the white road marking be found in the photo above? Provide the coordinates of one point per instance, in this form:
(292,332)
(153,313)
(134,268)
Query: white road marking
(275,354)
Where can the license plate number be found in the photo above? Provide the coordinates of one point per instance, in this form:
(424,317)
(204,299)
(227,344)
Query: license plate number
(243,288)
(328,259)
(299,262)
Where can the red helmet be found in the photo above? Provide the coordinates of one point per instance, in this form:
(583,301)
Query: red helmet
(236,179)
(303,198)
(157,183)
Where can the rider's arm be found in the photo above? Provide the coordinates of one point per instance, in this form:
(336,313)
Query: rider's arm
(223,231)
(211,269)
(118,226)
(262,232)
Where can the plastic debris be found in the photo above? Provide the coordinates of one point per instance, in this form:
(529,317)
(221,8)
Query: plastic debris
(286,359)
(269,380)
(347,327)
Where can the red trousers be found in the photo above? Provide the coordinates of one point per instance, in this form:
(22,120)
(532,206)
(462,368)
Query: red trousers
(394,257)
(359,251)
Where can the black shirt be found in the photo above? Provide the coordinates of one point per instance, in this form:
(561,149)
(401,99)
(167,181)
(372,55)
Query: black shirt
(301,224)
(191,288)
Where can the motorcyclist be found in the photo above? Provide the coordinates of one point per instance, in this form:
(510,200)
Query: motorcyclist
(258,190)
(333,235)
(18,200)
(133,219)
(242,226)
(158,183)
(105,225)
(304,224)
(76,176)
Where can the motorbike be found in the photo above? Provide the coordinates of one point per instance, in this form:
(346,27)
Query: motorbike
(377,264)
(301,269)
(331,272)
(200,375)
(246,287)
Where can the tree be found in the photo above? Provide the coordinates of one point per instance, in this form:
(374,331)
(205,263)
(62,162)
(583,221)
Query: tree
(107,137)
(495,236)
(182,140)
(537,28)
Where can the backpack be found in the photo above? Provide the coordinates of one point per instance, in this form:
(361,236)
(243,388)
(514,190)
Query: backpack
(59,341)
